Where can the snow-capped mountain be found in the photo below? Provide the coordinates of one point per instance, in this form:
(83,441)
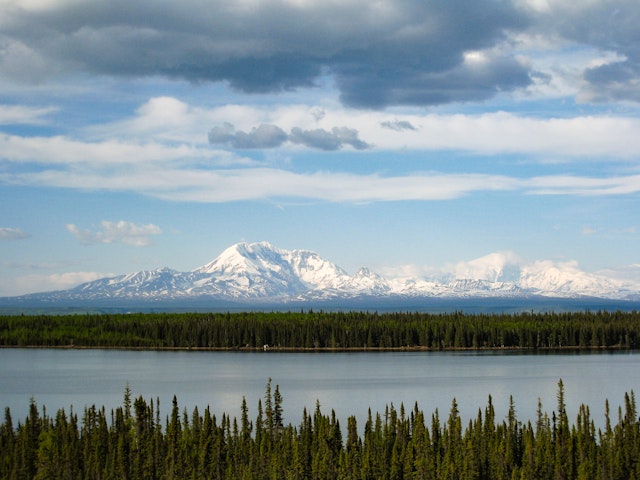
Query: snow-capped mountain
(260,271)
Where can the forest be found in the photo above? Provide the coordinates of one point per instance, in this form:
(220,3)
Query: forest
(322,330)
(135,442)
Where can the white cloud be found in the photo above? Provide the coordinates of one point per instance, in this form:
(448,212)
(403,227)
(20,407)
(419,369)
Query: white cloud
(500,266)
(501,132)
(33,283)
(168,119)
(19,114)
(10,233)
(62,150)
(575,185)
(145,158)
(228,185)
(116,232)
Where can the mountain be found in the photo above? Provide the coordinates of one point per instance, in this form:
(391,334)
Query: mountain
(260,272)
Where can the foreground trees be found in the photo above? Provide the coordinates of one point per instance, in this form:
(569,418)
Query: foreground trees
(133,442)
(327,330)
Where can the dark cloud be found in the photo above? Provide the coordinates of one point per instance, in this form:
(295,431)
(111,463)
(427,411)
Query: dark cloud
(272,136)
(463,83)
(380,53)
(398,125)
(616,81)
(264,136)
(384,53)
(609,26)
(325,140)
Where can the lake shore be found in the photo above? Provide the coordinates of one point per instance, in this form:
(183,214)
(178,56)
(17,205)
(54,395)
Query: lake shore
(271,348)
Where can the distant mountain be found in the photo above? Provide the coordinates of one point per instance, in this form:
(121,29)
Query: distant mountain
(260,272)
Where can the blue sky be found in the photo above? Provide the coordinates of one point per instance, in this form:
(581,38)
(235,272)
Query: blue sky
(400,135)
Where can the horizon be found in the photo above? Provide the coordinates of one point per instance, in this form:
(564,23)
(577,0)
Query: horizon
(260,273)
(401,136)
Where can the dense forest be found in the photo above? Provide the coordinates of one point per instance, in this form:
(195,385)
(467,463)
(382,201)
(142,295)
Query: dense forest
(135,442)
(326,330)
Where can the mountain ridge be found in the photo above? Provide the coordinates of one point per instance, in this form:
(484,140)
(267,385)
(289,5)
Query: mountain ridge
(262,272)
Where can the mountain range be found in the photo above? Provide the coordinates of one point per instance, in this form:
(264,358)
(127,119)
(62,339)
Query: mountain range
(260,272)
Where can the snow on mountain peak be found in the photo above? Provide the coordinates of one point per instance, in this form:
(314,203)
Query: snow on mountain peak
(251,257)
(262,271)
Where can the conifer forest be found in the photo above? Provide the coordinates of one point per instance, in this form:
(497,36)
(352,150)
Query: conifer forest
(136,442)
(326,330)
(141,440)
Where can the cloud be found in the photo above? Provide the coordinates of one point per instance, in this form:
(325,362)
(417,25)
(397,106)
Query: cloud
(108,154)
(380,53)
(589,231)
(138,155)
(116,232)
(398,125)
(583,186)
(608,27)
(272,136)
(9,233)
(495,267)
(264,136)
(194,182)
(35,283)
(502,132)
(325,140)
(18,114)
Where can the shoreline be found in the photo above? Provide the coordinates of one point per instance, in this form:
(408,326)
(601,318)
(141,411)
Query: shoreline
(270,348)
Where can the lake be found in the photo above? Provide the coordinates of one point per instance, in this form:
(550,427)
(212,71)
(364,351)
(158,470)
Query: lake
(349,383)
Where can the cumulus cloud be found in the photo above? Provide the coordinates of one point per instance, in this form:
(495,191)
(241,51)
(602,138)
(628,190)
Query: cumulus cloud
(116,232)
(10,233)
(272,136)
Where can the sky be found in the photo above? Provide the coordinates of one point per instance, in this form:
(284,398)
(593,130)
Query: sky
(400,135)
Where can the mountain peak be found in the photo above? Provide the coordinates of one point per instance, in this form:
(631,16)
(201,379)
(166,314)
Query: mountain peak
(252,271)
(242,255)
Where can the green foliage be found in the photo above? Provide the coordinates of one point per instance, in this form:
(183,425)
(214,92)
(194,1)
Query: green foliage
(132,443)
(326,330)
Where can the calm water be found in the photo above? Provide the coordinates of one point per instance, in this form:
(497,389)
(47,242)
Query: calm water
(348,383)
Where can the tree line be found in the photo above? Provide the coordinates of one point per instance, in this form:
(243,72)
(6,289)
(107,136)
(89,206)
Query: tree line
(134,442)
(326,330)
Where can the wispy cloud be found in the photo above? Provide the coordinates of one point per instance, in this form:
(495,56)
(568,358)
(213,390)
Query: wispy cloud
(228,185)
(32,283)
(109,153)
(19,114)
(116,232)
(11,233)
